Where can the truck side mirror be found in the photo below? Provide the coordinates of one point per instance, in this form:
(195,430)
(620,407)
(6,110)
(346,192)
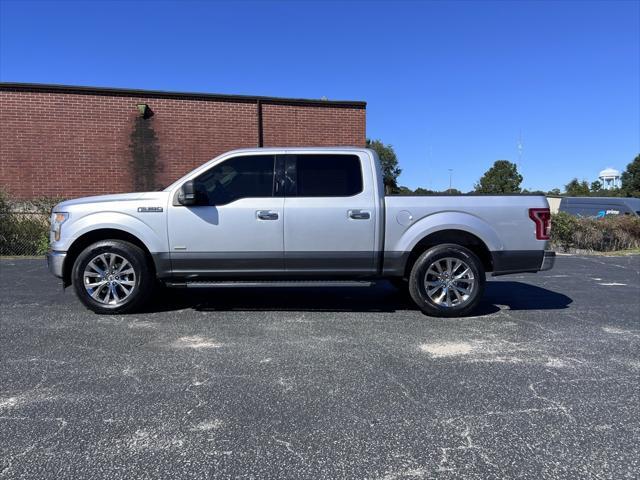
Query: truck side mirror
(187,195)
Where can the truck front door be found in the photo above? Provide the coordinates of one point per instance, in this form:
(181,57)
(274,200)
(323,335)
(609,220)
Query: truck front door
(237,227)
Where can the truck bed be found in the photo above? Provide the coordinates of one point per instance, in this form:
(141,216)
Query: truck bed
(501,222)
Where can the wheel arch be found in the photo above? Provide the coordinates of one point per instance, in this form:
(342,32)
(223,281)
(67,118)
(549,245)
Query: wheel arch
(97,235)
(458,237)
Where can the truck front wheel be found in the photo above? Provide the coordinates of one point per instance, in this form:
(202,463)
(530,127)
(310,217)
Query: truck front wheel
(112,276)
(447,281)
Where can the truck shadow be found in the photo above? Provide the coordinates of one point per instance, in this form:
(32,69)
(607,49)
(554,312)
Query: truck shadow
(381,297)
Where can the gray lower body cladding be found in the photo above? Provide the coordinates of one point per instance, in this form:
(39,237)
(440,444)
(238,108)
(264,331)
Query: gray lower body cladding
(264,264)
(504,262)
(334,264)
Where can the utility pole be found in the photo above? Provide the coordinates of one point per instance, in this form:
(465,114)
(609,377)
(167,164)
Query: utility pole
(450,175)
(520,146)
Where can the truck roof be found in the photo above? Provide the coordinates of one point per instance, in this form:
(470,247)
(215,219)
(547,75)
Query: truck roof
(297,149)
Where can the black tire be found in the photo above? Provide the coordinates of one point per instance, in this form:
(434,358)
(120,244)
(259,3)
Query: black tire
(418,288)
(143,283)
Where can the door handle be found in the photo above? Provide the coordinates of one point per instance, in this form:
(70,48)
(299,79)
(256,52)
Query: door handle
(359,214)
(266,215)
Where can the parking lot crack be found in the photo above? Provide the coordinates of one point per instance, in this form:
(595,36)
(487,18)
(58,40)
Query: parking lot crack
(288,446)
(189,388)
(528,322)
(405,390)
(468,445)
(558,406)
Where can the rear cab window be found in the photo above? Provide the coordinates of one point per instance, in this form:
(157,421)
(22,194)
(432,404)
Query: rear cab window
(323,175)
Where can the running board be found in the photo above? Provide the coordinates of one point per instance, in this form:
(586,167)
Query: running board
(270,283)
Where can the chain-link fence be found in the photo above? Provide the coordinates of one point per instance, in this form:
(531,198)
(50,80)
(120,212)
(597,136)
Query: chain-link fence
(24,225)
(24,233)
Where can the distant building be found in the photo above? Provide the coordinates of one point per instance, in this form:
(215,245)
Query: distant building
(610,178)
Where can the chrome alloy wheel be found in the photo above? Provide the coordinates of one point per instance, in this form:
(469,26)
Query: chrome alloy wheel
(449,282)
(109,278)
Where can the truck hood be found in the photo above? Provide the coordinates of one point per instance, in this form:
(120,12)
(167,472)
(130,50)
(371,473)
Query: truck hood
(118,197)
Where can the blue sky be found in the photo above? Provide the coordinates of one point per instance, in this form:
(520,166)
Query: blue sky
(448,84)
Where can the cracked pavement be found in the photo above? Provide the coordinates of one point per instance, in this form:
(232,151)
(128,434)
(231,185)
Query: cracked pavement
(325,383)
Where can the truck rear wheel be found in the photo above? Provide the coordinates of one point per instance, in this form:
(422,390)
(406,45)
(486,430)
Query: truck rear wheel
(112,276)
(447,281)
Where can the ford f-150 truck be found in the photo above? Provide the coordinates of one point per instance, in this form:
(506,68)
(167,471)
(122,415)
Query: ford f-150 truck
(294,217)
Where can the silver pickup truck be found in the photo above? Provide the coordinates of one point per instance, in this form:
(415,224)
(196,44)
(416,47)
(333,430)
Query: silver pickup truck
(294,217)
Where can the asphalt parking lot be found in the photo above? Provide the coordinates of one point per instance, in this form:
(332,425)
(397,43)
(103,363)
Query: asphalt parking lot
(325,383)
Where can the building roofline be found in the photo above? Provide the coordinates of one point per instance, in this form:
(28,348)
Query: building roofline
(132,92)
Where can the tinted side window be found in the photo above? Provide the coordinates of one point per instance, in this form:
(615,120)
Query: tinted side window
(328,175)
(236,178)
(595,210)
(582,210)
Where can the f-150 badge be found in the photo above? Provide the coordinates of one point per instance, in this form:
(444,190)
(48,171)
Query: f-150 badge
(149,209)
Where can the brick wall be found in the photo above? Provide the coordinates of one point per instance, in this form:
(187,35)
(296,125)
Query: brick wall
(294,125)
(79,142)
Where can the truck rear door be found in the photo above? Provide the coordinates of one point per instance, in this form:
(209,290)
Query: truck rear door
(330,218)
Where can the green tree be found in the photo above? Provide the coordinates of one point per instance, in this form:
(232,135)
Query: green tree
(402,190)
(502,177)
(596,186)
(389,162)
(422,191)
(577,188)
(555,191)
(631,179)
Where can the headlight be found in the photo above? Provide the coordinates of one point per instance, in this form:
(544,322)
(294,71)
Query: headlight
(57,219)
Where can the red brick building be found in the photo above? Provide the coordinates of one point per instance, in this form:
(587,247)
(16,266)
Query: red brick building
(75,141)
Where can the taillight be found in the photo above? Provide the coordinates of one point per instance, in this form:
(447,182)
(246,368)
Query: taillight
(542,219)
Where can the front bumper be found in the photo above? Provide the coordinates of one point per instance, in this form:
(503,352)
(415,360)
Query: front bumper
(55,262)
(548,260)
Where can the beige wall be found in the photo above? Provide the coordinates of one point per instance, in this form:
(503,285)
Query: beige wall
(554,204)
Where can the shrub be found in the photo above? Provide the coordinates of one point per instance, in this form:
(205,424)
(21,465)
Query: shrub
(601,235)
(24,226)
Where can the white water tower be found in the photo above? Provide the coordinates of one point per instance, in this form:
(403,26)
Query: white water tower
(610,178)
